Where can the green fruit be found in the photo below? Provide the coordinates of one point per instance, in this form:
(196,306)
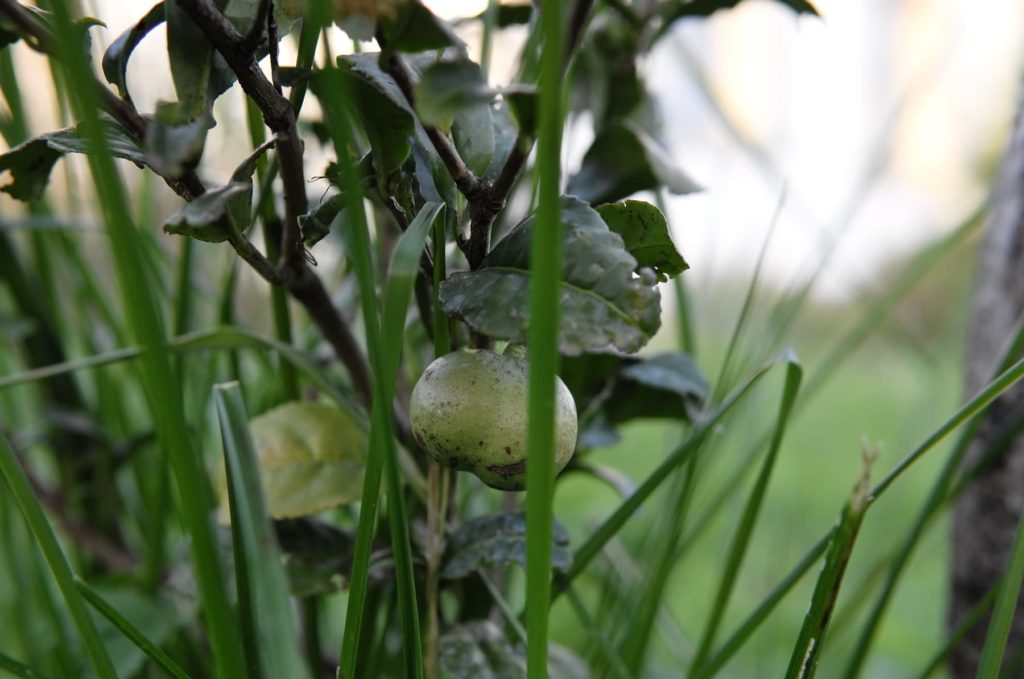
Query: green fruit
(468,411)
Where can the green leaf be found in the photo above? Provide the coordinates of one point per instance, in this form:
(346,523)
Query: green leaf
(267,618)
(644,231)
(134,628)
(508,14)
(604,306)
(216,216)
(386,119)
(31,162)
(316,224)
(679,9)
(498,540)
(190,55)
(311,458)
(473,134)
(416,29)
(479,649)
(445,87)
(174,142)
(115,59)
(622,160)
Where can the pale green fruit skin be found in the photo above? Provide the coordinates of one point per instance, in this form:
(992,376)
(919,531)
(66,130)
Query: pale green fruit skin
(468,410)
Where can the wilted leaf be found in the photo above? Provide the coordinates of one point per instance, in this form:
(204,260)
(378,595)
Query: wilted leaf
(30,163)
(645,232)
(445,87)
(214,216)
(498,540)
(623,160)
(311,458)
(604,306)
(115,59)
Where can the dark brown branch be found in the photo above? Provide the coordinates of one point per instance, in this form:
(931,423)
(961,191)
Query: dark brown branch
(278,115)
(252,39)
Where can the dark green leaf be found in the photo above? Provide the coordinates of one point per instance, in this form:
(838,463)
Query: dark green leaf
(386,119)
(190,55)
(445,87)
(215,216)
(30,163)
(522,102)
(497,540)
(317,555)
(604,305)
(645,232)
(416,29)
(511,14)
(623,160)
(174,142)
(473,134)
(680,9)
(606,81)
(115,59)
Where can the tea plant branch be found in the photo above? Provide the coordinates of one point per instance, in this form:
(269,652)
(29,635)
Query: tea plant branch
(38,37)
(279,116)
(259,25)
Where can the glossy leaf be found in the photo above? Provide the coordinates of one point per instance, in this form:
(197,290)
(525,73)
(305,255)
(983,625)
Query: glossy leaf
(604,306)
(645,233)
(498,540)
(623,160)
(115,59)
(31,162)
(311,458)
(445,87)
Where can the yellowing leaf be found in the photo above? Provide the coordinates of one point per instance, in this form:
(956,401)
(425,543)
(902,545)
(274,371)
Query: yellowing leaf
(311,458)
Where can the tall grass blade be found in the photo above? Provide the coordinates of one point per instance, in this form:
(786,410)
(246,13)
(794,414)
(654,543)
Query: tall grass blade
(542,341)
(162,386)
(130,631)
(937,497)
(18,668)
(803,663)
(745,529)
(1005,607)
(55,559)
(977,404)
(271,620)
(611,526)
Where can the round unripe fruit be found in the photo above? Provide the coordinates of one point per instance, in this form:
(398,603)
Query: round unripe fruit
(468,411)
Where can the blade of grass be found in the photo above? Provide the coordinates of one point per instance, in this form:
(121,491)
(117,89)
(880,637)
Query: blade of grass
(807,651)
(542,341)
(965,626)
(162,386)
(130,631)
(55,559)
(585,554)
(262,585)
(937,497)
(1005,607)
(977,404)
(17,668)
(744,531)
(604,645)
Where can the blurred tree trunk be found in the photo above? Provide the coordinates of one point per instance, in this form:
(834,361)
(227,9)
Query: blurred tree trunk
(985,517)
